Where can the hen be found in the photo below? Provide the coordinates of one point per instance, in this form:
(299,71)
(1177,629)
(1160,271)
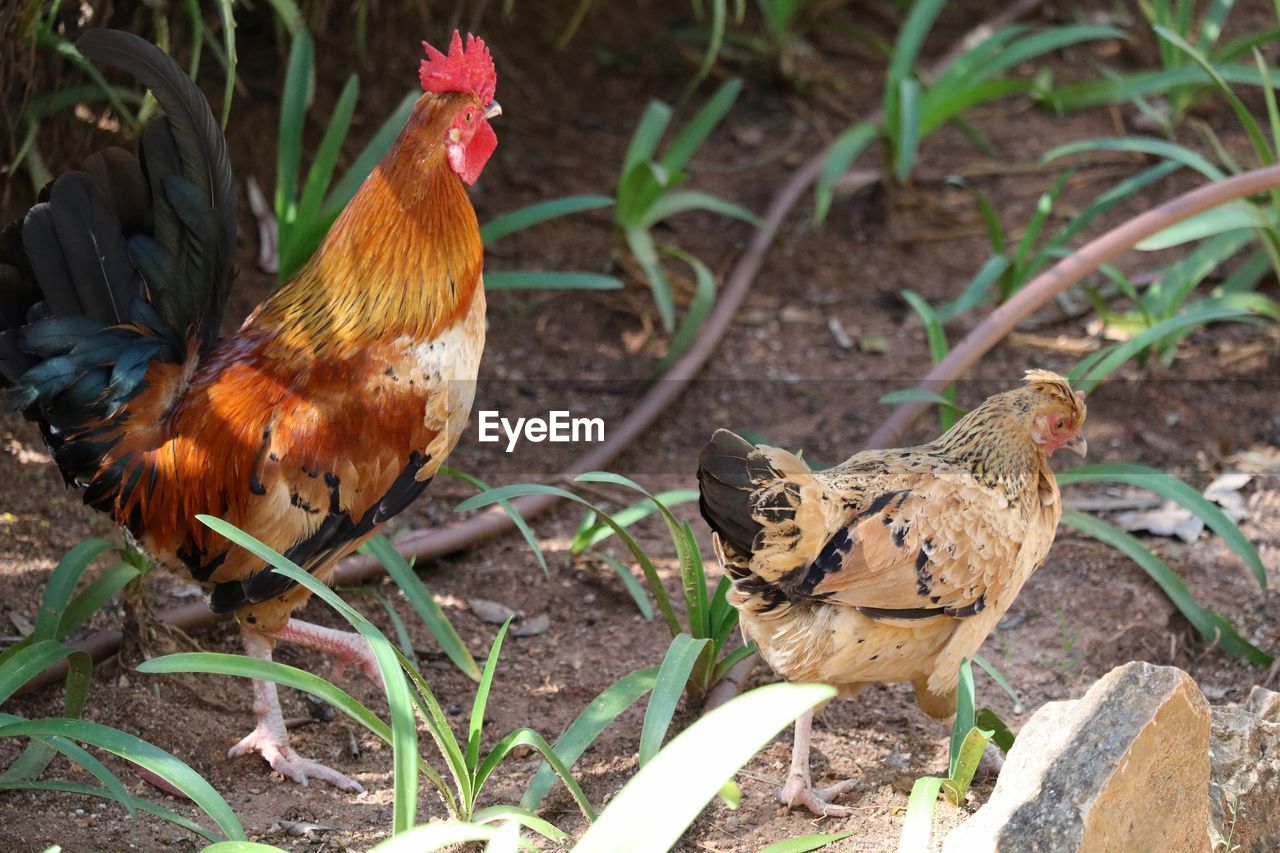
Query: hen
(896,564)
(326,414)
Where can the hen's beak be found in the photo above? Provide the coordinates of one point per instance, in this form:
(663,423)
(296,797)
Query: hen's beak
(1077,445)
(495,110)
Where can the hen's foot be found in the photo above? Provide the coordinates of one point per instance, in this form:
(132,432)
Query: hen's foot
(283,759)
(799,791)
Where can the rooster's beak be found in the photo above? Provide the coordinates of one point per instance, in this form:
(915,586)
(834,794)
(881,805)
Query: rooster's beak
(1077,445)
(495,110)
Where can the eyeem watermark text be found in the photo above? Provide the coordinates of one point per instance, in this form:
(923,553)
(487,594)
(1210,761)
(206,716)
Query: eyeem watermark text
(559,427)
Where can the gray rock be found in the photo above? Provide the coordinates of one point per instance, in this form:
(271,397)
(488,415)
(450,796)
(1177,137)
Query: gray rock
(1124,768)
(1244,795)
(1263,702)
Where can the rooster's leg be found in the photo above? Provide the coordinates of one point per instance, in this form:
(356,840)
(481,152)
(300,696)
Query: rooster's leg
(798,789)
(346,647)
(269,738)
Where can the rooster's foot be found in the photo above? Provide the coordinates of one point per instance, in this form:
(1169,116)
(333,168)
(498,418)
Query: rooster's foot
(800,792)
(275,748)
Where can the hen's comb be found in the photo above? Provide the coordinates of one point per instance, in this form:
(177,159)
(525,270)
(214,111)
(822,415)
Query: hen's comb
(468,69)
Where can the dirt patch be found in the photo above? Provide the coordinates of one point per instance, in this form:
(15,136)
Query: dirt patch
(779,372)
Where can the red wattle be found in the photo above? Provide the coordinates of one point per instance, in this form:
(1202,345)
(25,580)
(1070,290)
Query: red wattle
(478,151)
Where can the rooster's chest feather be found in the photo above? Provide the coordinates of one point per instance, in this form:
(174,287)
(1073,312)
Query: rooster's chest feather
(448,365)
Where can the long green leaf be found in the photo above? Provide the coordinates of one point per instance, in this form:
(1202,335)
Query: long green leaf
(509,508)
(965,709)
(144,754)
(673,675)
(1169,486)
(634,588)
(134,803)
(97,593)
(917,824)
(1143,145)
(61,584)
(216,663)
(840,156)
(654,809)
(425,605)
(543,211)
(475,727)
(528,737)
(546,280)
(1213,627)
(681,201)
(587,726)
(805,843)
(691,137)
(595,532)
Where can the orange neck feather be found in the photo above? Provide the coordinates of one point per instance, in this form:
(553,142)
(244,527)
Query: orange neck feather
(402,260)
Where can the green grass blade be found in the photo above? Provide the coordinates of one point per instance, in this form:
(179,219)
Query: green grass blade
(61,584)
(1193,316)
(645,252)
(681,201)
(654,809)
(544,280)
(1213,627)
(595,532)
(509,508)
(80,756)
(320,175)
(425,604)
(1001,736)
(368,158)
(298,83)
(525,818)
(588,725)
(965,709)
(907,47)
(644,140)
(403,640)
(475,728)
(938,348)
(1143,145)
(990,219)
(227,17)
(528,737)
(805,843)
(240,666)
(975,292)
(1168,486)
(840,157)
(634,588)
(966,763)
(919,395)
(917,824)
(442,735)
(1260,147)
(1044,206)
(145,755)
(908,132)
(543,211)
(436,835)
(29,662)
(136,803)
(1232,216)
(727,663)
(719,10)
(691,137)
(98,592)
(998,677)
(646,565)
(673,675)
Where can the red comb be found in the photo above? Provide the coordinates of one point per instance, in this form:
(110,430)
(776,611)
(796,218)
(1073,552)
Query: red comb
(467,70)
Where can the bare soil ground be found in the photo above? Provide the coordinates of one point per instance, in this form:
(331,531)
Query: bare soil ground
(779,372)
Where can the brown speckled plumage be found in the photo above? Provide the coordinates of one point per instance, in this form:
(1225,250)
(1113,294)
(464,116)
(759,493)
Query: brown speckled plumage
(896,564)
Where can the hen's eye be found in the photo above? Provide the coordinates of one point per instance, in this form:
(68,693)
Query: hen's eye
(1061,424)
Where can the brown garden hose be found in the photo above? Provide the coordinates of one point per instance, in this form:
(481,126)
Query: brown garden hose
(431,544)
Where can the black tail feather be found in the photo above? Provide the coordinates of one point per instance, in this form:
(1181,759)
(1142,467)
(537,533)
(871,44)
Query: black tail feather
(725,485)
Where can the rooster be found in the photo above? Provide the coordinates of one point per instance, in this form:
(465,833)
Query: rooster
(896,564)
(326,414)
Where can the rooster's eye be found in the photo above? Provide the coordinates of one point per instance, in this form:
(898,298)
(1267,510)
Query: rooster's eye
(468,116)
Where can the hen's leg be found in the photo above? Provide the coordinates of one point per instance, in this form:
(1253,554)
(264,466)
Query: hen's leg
(798,789)
(269,738)
(346,647)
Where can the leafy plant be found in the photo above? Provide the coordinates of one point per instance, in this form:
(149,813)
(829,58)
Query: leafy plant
(62,611)
(913,108)
(967,744)
(467,767)
(303,218)
(649,191)
(535,214)
(710,617)
(1180,80)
